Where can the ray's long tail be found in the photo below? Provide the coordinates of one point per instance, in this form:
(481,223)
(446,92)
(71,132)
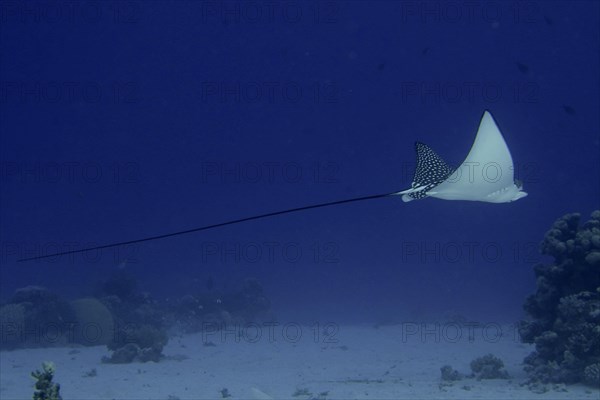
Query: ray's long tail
(207,227)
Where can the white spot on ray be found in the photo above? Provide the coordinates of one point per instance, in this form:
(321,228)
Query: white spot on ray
(487,174)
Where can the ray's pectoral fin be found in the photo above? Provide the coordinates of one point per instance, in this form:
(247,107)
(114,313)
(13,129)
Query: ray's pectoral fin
(430,172)
(487,174)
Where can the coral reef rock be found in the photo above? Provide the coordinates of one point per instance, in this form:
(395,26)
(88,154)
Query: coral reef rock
(137,343)
(12,322)
(35,317)
(450,374)
(564,312)
(488,367)
(94,322)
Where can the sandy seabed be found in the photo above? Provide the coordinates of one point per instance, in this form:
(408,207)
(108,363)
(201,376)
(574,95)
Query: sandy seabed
(293,362)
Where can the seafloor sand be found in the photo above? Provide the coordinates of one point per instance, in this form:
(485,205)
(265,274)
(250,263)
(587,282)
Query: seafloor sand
(364,362)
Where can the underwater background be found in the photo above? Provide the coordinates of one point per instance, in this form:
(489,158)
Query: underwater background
(121,120)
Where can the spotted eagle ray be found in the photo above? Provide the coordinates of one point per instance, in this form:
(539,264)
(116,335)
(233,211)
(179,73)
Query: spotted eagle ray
(487,175)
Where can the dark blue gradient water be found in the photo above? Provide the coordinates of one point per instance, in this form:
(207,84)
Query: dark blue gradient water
(131,119)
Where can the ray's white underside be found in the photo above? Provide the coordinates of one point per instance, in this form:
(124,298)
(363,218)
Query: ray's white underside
(486,174)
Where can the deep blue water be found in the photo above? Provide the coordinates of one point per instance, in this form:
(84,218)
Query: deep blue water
(121,120)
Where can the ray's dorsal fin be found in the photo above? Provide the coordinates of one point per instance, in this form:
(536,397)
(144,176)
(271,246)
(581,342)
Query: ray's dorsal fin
(431,170)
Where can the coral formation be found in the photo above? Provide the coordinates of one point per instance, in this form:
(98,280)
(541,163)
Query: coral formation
(591,375)
(124,354)
(194,312)
(45,388)
(93,322)
(140,343)
(450,374)
(565,310)
(249,302)
(131,324)
(121,283)
(12,322)
(488,367)
(35,317)
(139,333)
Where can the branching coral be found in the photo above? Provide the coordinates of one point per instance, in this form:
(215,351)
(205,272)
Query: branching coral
(45,388)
